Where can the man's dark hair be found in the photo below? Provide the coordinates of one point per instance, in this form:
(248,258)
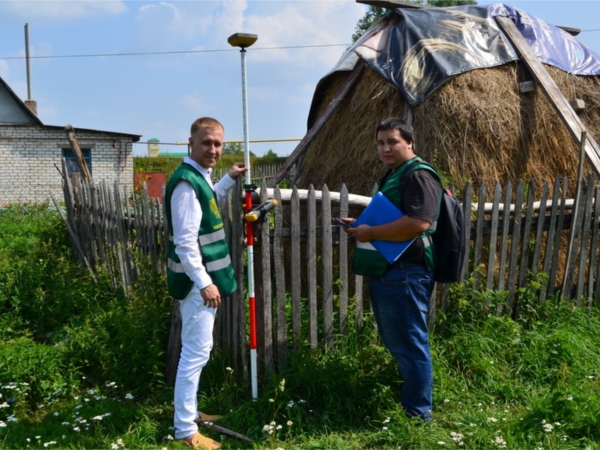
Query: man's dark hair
(396,123)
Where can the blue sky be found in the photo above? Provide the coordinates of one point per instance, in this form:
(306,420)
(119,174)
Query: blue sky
(193,71)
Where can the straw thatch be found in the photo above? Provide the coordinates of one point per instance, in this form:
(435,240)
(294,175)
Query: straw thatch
(476,127)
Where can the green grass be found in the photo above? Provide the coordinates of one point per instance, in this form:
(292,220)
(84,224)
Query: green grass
(81,366)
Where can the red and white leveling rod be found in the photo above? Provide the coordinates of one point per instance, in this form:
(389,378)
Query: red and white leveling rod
(252,216)
(244,40)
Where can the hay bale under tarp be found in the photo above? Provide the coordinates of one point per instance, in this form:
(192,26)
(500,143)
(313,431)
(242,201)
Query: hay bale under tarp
(476,127)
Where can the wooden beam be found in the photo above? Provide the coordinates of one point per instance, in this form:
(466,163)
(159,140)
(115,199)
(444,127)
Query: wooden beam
(307,139)
(77,151)
(552,91)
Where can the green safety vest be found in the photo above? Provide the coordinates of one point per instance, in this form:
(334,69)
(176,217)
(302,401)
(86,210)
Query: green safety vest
(211,238)
(367,260)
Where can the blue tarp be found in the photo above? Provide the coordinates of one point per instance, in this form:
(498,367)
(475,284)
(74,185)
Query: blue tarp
(417,50)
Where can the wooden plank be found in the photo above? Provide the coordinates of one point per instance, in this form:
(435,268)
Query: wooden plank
(359,313)
(93,219)
(491,266)
(265,303)
(222,326)
(69,206)
(307,139)
(279,271)
(540,230)
(79,159)
(557,240)
(504,240)
(524,264)
(585,238)
(105,207)
(593,275)
(575,229)
(555,96)
(525,239)
(478,236)
(550,240)
(74,238)
(467,196)
(120,237)
(296,260)
(311,261)
(128,224)
(138,237)
(514,250)
(354,199)
(327,261)
(343,263)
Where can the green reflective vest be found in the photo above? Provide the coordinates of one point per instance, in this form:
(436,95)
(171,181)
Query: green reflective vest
(367,260)
(211,238)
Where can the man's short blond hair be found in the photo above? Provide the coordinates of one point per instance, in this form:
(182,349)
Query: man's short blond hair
(205,122)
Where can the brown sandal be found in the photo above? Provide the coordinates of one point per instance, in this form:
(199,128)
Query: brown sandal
(196,440)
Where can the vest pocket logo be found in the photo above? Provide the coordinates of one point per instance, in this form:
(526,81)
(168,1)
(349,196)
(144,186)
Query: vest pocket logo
(214,208)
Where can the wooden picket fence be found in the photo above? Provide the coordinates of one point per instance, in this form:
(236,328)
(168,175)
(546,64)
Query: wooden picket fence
(259,172)
(306,293)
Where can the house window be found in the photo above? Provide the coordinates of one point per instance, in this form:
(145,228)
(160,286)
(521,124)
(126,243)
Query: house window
(72,166)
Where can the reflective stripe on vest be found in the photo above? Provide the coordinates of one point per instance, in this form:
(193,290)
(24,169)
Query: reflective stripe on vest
(213,244)
(218,235)
(209,238)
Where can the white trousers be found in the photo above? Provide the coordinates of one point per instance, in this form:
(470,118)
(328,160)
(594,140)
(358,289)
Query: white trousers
(197,322)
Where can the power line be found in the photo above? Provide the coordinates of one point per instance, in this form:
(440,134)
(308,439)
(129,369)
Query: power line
(93,55)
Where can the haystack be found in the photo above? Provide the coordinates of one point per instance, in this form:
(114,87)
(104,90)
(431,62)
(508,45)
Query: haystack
(477,126)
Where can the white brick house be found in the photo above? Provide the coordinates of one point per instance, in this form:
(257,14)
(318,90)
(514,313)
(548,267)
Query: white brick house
(30,153)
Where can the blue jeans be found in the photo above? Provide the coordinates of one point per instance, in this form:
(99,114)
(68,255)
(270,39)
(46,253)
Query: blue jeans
(400,300)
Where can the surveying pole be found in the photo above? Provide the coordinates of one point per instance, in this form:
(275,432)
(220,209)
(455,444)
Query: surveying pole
(244,40)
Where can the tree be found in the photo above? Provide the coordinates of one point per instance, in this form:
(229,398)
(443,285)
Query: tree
(269,158)
(234,149)
(374,13)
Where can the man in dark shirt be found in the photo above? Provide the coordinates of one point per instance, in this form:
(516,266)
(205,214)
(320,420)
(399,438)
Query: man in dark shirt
(400,292)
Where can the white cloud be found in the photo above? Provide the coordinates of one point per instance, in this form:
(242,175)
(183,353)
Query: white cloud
(296,24)
(208,24)
(163,26)
(53,10)
(194,102)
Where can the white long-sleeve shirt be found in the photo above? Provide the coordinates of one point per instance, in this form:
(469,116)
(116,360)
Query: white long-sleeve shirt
(186,215)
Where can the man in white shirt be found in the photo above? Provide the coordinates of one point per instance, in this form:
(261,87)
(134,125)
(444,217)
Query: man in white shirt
(199,272)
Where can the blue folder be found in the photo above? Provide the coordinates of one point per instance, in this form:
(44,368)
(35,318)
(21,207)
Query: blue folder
(379,211)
